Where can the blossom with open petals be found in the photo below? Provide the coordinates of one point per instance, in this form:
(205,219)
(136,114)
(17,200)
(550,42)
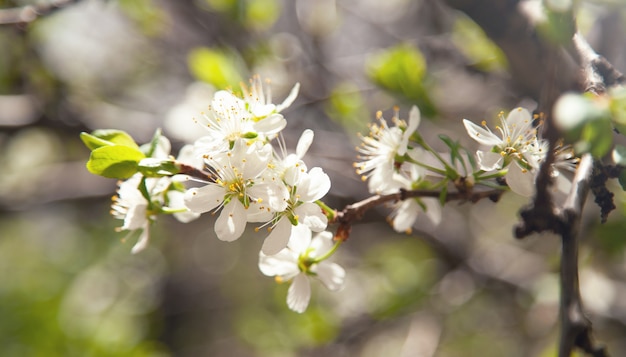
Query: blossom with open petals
(239,188)
(517,147)
(305,187)
(297,264)
(379,149)
(258,99)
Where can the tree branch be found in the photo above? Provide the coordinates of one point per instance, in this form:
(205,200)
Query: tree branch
(355,211)
(575,327)
(29,13)
(543,72)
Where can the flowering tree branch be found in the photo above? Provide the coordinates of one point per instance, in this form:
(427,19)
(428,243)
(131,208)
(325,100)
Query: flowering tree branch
(354,212)
(29,13)
(542,71)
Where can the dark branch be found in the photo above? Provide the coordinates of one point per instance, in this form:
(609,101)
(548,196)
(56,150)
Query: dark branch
(576,328)
(598,73)
(355,211)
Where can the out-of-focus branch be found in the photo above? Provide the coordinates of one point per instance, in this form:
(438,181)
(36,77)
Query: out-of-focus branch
(575,327)
(599,74)
(29,13)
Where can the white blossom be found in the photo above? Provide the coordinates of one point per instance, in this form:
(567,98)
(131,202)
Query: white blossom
(378,151)
(297,264)
(516,148)
(304,189)
(239,189)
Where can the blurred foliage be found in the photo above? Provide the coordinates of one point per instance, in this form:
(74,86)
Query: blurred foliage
(216,67)
(559,25)
(476,46)
(407,270)
(149,17)
(347,107)
(68,287)
(401,69)
(253,14)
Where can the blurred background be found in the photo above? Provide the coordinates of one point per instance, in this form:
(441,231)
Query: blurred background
(70,287)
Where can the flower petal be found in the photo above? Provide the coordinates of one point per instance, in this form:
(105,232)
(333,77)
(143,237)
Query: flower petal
(299,293)
(304,143)
(481,135)
(405,215)
(331,275)
(271,124)
(142,242)
(290,98)
(232,221)
(314,185)
(300,238)
(279,237)
(204,199)
(433,210)
(321,244)
(283,264)
(311,215)
(135,217)
(488,160)
(414,122)
(177,201)
(520,182)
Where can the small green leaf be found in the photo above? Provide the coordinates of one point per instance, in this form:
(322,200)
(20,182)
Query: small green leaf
(116,161)
(151,167)
(455,154)
(107,137)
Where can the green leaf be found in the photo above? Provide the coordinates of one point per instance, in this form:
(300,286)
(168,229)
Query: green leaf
(116,161)
(107,137)
(455,154)
(158,168)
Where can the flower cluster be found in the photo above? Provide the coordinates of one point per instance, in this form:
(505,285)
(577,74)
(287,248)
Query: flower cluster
(247,181)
